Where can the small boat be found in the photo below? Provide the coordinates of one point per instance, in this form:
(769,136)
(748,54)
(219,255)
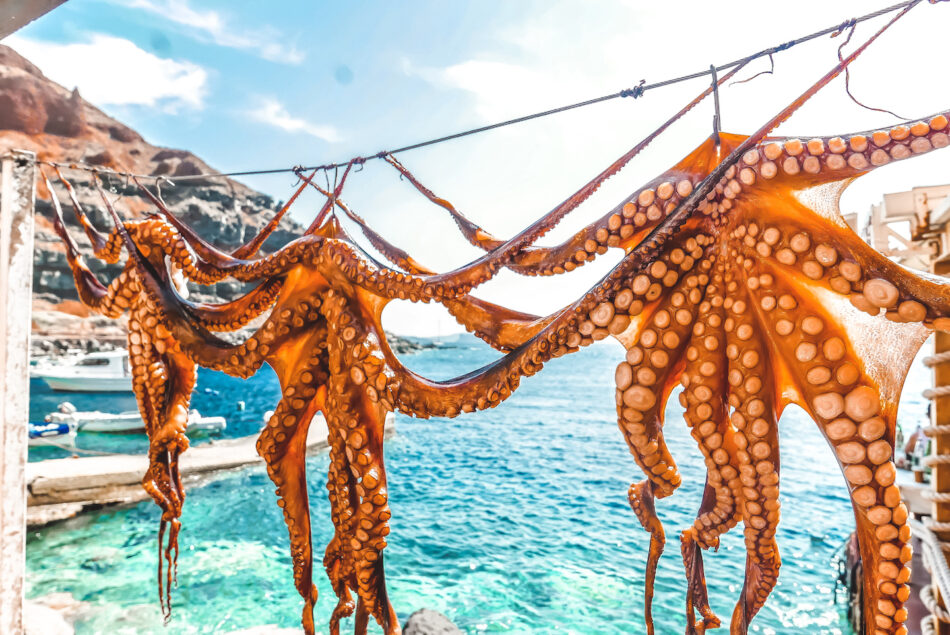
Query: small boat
(106,371)
(45,434)
(126,422)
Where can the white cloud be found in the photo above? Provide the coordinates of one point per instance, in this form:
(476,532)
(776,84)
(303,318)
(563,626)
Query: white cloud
(114,71)
(273,113)
(500,89)
(264,42)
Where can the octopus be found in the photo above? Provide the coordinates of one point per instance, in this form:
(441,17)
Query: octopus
(740,283)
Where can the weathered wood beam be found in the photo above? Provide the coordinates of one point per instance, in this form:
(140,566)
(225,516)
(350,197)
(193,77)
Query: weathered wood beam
(17,196)
(16,14)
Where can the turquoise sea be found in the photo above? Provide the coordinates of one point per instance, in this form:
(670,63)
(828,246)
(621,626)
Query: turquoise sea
(513,520)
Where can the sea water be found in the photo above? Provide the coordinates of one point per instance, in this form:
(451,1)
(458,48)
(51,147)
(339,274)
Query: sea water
(513,520)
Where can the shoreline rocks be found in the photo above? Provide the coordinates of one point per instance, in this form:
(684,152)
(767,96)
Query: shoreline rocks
(429,622)
(59,334)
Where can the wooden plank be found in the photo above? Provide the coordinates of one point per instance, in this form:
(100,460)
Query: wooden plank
(940,476)
(16,273)
(103,480)
(16,14)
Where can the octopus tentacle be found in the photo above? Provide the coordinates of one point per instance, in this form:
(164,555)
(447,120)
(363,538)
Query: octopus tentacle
(641,498)
(644,382)
(359,405)
(111,301)
(337,559)
(609,231)
(204,250)
(500,327)
(229,316)
(816,160)
(283,445)
(189,324)
(96,238)
(111,245)
(165,380)
(206,264)
(254,245)
(755,422)
(697,595)
(849,267)
(704,382)
(477,236)
(318,221)
(859,424)
(162,381)
(610,304)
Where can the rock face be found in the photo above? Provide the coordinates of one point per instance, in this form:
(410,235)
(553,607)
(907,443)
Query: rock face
(429,622)
(59,125)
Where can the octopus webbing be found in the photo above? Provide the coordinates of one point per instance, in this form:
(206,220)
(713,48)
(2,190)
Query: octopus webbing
(740,282)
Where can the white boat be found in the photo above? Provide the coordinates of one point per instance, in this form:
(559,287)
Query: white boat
(126,422)
(107,371)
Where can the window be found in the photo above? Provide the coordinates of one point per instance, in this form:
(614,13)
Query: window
(93,361)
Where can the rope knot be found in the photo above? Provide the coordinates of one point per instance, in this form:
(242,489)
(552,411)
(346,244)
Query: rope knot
(635,92)
(847,24)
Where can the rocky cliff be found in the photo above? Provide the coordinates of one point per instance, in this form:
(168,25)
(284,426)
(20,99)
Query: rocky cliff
(59,125)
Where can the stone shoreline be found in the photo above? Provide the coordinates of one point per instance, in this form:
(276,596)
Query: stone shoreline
(58,334)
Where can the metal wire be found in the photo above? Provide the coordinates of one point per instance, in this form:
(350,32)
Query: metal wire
(635,92)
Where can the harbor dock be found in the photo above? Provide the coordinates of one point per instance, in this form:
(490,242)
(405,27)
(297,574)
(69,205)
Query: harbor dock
(58,489)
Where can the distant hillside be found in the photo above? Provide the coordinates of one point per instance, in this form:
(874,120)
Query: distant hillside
(58,124)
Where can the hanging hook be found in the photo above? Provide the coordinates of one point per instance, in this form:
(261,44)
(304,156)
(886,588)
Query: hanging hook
(715,91)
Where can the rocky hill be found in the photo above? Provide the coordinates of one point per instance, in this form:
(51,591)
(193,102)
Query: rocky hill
(59,125)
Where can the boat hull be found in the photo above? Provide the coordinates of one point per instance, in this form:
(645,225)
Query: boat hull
(116,425)
(130,424)
(89,383)
(46,434)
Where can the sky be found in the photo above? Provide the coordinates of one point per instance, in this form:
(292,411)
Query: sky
(253,85)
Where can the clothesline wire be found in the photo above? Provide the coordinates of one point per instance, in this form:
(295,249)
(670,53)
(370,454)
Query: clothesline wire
(635,92)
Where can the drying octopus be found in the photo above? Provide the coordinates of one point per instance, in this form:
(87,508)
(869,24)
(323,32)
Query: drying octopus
(740,282)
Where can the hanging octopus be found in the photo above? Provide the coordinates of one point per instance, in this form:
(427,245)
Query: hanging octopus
(740,282)
(325,297)
(751,333)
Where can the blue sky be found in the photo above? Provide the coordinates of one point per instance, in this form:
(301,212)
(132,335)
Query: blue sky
(249,85)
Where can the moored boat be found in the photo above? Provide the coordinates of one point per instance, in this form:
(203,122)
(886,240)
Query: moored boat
(106,371)
(47,433)
(126,422)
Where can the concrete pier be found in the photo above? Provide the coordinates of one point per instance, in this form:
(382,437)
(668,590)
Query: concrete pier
(62,488)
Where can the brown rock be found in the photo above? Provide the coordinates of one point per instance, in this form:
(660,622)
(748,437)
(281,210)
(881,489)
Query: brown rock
(39,115)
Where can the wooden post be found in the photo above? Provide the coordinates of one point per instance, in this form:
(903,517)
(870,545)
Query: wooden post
(940,477)
(17,195)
